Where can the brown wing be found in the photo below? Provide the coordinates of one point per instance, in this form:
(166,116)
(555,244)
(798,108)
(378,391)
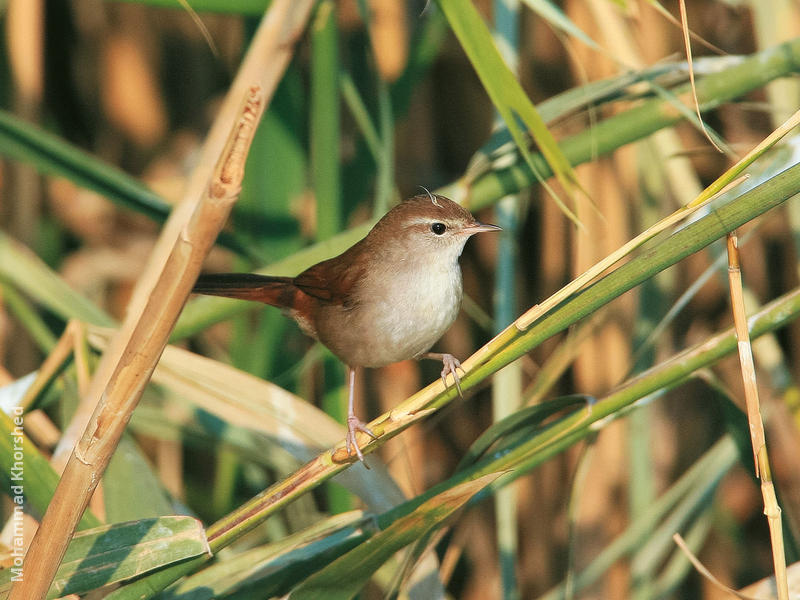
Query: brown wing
(333,280)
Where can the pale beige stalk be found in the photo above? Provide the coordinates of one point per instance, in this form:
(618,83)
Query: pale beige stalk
(141,351)
(71,343)
(269,54)
(756,426)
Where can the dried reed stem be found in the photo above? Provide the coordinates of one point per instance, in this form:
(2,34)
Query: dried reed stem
(142,349)
(267,57)
(756,425)
(71,343)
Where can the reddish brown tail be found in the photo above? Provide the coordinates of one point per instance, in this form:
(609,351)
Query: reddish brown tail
(275,291)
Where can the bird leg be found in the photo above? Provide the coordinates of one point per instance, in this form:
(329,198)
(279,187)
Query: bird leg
(451,366)
(353,422)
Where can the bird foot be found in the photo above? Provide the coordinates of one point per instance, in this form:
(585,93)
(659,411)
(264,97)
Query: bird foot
(355,424)
(451,366)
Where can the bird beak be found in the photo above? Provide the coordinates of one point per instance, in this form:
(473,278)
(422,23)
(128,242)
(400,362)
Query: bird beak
(478,227)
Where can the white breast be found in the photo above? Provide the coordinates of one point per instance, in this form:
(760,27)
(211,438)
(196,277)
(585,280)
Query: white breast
(424,306)
(408,312)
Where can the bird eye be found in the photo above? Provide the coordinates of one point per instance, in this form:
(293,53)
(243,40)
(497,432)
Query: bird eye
(438,228)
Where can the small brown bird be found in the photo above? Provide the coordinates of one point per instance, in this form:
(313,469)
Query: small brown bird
(388,298)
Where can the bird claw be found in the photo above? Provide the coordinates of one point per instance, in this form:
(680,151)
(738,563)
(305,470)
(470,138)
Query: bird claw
(355,424)
(451,366)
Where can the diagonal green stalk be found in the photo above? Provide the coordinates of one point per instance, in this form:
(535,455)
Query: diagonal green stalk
(533,450)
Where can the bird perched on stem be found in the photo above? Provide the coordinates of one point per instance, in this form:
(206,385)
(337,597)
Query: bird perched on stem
(387,298)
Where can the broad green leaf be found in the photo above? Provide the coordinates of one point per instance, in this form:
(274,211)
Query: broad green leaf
(344,577)
(108,554)
(272,568)
(507,94)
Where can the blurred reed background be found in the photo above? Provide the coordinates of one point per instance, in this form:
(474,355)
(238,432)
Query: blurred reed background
(379,100)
